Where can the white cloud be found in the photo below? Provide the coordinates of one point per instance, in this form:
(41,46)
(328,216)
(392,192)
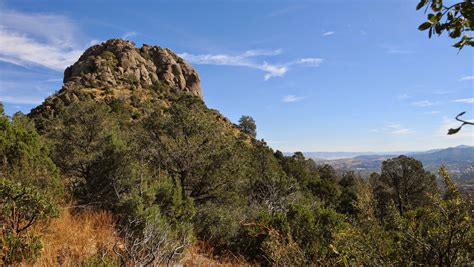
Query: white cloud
(52,80)
(262,52)
(464,100)
(404,96)
(292,98)
(403,131)
(441,92)
(328,33)
(248,59)
(284,11)
(393,125)
(37,39)
(467,78)
(423,103)
(394,49)
(128,35)
(311,61)
(432,112)
(21,100)
(393,129)
(272,70)
(26,91)
(94,42)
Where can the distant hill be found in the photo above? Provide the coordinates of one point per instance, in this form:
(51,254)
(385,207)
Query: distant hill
(452,155)
(459,160)
(334,155)
(344,155)
(326,155)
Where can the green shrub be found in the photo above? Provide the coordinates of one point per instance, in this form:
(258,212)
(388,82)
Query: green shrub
(21,208)
(111,59)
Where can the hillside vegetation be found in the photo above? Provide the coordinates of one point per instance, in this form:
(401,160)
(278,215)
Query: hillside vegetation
(154,174)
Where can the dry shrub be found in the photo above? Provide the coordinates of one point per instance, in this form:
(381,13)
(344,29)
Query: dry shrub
(202,254)
(87,236)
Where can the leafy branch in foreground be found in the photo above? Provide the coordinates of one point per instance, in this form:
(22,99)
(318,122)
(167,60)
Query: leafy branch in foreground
(455,130)
(21,207)
(457,20)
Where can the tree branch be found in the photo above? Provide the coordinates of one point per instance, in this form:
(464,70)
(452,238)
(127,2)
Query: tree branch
(456,130)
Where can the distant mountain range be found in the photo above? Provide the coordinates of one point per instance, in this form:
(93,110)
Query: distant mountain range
(345,155)
(459,160)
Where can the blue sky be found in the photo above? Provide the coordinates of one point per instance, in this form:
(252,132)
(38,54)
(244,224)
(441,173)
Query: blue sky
(315,75)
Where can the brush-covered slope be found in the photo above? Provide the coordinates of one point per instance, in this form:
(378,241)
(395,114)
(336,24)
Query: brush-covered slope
(115,72)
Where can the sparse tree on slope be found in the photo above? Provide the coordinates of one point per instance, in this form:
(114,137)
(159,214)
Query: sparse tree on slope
(248,126)
(404,182)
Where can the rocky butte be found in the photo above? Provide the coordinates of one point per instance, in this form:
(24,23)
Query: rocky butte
(116,69)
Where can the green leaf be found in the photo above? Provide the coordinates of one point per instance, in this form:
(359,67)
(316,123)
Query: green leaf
(436,6)
(450,15)
(424,26)
(433,19)
(458,45)
(421,4)
(455,33)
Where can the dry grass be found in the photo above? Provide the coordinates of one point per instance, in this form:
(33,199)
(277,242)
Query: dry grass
(73,238)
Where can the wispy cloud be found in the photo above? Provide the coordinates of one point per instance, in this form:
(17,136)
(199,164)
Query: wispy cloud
(128,35)
(26,91)
(403,131)
(441,92)
(393,125)
(310,61)
(284,11)
(467,78)
(37,39)
(464,100)
(249,59)
(52,80)
(328,33)
(292,98)
(21,100)
(262,52)
(404,96)
(393,129)
(423,103)
(433,112)
(394,49)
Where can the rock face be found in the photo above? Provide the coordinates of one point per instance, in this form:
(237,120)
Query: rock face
(118,63)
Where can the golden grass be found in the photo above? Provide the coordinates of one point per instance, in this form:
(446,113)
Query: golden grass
(73,238)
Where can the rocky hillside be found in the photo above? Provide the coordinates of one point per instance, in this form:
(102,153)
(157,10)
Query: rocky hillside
(116,69)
